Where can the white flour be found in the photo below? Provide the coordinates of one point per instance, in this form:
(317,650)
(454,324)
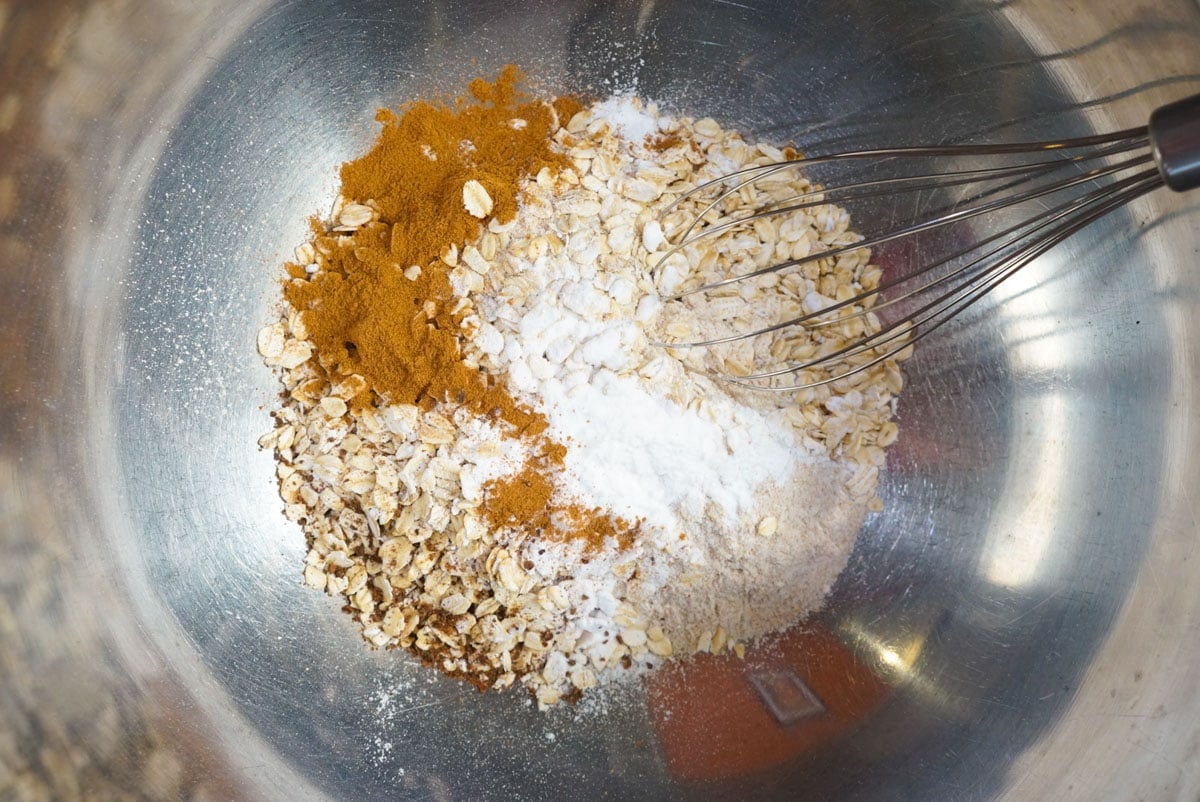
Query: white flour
(630,119)
(637,453)
(751,584)
(653,442)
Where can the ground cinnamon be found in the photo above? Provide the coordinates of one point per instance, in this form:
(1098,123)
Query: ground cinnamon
(526,502)
(363,312)
(664,142)
(382,305)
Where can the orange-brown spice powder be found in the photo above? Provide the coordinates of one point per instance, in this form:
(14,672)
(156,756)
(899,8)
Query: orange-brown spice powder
(525,502)
(664,142)
(402,334)
(363,314)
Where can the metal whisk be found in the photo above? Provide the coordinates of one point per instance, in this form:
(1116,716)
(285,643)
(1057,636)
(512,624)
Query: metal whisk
(1052,189)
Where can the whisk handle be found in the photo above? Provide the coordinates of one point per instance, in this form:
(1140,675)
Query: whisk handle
(1175,140)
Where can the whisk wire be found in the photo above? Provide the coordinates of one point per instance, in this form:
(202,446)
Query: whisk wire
(1047,191)
(821,318)
(947,306)
(1119,140)
(1014,233)
(941,220)
(879,187)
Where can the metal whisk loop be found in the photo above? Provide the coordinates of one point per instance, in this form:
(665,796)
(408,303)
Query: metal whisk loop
(936,313)
(958,215)
(1055,189)
(1119,142)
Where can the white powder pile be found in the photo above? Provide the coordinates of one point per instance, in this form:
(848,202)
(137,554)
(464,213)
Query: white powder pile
(628,116)
(635,452)
(745,519)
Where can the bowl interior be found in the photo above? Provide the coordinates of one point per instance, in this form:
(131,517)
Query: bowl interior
(1018,500)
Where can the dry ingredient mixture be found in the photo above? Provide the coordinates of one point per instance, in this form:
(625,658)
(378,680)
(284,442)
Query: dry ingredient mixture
(492,464)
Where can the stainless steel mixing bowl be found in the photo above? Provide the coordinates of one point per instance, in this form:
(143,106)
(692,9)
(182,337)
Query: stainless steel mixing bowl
(1024,615)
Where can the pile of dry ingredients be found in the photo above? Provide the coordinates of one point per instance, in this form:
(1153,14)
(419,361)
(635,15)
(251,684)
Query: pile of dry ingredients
(491,463)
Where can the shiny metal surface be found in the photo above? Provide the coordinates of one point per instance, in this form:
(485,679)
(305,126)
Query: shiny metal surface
(945,236)
(1175,134)
(1023,615)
